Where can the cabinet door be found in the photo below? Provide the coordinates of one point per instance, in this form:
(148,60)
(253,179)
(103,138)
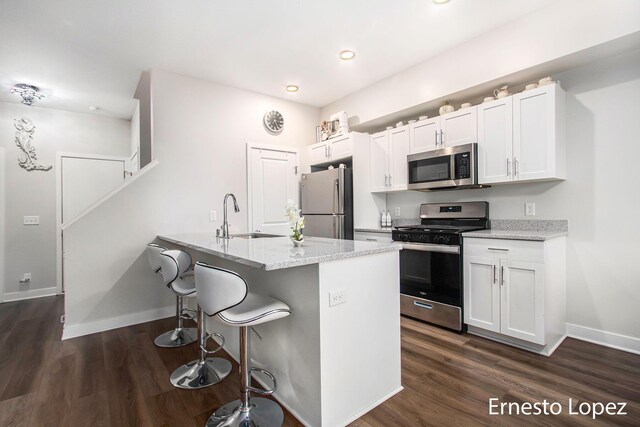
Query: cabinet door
(481,293)
(522,305)
(398,151)
(459,127)
(534,133)
(379,161)
(495,141)
(423,135)
(341,147)
(318,153)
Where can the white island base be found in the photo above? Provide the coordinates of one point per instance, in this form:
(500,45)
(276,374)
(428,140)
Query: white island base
(332,363)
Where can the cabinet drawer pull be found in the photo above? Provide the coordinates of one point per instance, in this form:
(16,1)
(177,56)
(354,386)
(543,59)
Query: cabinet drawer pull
(423,305)
(371,240)
(498,249)
(436,131)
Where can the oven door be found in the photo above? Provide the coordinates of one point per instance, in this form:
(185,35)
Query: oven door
(430,284)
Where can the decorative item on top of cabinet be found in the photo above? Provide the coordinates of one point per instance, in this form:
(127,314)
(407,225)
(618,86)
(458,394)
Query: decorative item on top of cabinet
(446,108)
(521,137)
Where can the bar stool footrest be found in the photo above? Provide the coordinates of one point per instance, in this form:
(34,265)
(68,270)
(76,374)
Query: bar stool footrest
(203,346)
(261,391)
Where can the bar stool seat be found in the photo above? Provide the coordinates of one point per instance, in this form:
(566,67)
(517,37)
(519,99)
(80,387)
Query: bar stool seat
(225,294)
(254,310)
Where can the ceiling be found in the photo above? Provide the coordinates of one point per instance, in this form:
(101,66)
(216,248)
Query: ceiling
(89,52)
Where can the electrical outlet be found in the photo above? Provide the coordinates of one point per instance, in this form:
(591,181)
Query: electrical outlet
(530,209)
(397,211)
(26,278)
(31,220)
(213,216)
(339,296)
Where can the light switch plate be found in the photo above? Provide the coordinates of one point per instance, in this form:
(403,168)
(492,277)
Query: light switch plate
(31,220)
(529,209)
(397,211)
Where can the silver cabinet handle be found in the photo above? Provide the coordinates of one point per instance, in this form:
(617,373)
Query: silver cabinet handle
(326,152)
(329,147)
(423,305)
(498,249)
(515,166)
(501,275)
(442,137)
(390,177)
(436,131)
(508,167)
(386,180)
(371,240)
(494,273)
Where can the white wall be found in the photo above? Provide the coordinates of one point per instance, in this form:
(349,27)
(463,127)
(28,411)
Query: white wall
(599,198)
(32,249)
(200,135)
(556,31)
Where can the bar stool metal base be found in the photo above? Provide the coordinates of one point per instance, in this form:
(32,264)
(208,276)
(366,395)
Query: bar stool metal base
(261,412)
(197,374)
(177,338)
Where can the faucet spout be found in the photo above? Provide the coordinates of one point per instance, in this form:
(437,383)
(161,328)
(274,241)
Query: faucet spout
(225,223)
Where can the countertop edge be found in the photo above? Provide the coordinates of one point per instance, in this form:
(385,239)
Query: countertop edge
(373,230)
(509,235)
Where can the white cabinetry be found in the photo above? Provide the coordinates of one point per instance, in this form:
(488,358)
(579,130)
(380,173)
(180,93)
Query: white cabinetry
(370,236)
(451,129)
(521,137)
(338,148)
(514,291)
(389,150)
(367,206)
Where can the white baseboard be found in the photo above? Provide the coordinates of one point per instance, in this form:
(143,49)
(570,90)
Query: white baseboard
(30,294)
(77,330)
(607,339)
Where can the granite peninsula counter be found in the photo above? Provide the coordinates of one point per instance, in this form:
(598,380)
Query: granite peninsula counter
(333,362)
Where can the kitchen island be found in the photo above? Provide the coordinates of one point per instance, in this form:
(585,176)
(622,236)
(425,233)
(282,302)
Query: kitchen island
(334,361)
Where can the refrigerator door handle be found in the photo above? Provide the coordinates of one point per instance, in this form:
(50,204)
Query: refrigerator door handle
(336,196)
(335,226)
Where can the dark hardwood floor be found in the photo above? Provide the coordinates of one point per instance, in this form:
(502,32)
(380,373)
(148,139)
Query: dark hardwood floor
(119,378)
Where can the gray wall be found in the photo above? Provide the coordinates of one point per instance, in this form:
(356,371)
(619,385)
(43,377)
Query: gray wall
(32,249)
(145,126)
(599,198)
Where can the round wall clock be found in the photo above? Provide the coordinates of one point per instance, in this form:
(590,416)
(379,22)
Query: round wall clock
(273,122)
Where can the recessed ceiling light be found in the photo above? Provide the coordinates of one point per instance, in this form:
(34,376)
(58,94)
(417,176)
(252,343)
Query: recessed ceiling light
(347,55)
(440,1)
(93,108)
(292,88)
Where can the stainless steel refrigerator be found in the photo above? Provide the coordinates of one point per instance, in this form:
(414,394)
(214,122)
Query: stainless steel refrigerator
(327,203)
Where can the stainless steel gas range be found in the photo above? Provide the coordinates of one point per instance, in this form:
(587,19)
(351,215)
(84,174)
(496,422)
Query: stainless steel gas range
(431,282)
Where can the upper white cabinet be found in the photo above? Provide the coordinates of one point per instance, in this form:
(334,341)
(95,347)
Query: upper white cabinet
(389,150)
(459,127)
(451,129)
(338,148)
(516,290)
(521,137)
(495,141)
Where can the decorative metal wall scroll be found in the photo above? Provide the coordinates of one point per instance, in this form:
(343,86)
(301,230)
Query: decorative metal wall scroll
(24,137)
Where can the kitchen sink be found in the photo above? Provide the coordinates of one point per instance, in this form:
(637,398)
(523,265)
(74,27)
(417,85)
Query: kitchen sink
(253,235)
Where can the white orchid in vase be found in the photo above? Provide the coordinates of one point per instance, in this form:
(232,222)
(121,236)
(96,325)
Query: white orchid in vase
(296,222)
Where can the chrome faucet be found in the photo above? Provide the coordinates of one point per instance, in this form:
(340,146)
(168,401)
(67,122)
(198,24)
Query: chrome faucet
(225,223)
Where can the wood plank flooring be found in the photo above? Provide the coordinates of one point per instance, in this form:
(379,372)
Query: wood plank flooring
(119,378)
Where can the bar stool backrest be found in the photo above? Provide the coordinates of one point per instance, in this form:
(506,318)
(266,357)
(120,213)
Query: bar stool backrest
(218,289)
(173,263)
(153,255)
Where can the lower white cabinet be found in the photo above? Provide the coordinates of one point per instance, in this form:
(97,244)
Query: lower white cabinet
(515,291)
(369,236)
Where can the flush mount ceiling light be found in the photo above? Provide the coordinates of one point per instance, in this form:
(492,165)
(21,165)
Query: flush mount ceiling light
(346,55)
(292,88)
(440,1)
(29,93)
(93,108)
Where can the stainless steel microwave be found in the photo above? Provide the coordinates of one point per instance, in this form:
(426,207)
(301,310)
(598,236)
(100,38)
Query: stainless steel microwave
(447,168)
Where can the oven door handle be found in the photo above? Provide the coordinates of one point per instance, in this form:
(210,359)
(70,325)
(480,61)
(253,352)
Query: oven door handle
(428,247)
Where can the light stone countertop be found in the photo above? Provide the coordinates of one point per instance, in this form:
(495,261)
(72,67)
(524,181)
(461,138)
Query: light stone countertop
(274,253)
(535,230)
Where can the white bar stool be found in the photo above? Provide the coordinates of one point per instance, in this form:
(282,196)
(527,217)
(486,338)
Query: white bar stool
(204,371)
(225,294)
(177,283)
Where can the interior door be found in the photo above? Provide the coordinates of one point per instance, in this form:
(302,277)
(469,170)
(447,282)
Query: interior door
(481,293)
(459,127)
(379,161)
(495,141)
(398,151)
(273,180)
(86,180)
(522,300)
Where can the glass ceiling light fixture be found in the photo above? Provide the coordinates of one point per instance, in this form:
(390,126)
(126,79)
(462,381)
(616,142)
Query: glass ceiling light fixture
(29,93)
(347,55)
